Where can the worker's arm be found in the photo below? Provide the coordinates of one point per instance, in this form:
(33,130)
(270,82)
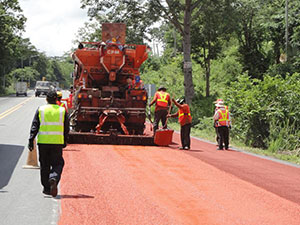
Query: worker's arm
(153,101)
(66,128)
(216,116)
(35,126)
(173,115)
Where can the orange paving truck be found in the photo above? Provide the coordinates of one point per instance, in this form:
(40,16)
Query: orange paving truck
(107,107)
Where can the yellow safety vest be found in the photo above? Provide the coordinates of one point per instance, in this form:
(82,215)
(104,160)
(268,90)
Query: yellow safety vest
(51,129)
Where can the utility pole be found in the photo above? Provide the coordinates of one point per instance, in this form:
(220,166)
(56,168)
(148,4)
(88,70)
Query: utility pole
(286,28)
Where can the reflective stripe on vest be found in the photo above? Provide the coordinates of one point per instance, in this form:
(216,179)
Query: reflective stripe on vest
(51,124)
(162,99)
(223,118)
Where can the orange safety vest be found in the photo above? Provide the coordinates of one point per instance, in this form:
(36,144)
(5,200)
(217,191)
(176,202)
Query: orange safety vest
(162,99)
(61,104)
(223,118)
(184,115)
(70,100)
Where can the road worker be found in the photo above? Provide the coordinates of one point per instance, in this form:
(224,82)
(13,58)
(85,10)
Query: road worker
(138,83)
(51,126)
(70,99)
(162,102)
(59,101)
(185,120)
(215,125)
(222,123)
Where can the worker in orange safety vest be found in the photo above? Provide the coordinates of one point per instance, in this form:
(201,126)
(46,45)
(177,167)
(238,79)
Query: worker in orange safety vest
(185,120)
(216,102)
(59,101)
(222,123)
(162,102)
(138,83)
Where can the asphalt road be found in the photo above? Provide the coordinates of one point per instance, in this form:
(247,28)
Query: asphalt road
(106,184)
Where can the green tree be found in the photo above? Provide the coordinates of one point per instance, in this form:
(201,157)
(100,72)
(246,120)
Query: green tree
(27,74)
(11,25)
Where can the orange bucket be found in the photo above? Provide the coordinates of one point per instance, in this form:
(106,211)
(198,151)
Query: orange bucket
(163,137)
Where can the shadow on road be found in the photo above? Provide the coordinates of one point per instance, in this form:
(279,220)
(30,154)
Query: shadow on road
(9,157)
(74,196)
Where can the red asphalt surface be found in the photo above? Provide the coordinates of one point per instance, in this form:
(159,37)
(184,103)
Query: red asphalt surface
(140,185)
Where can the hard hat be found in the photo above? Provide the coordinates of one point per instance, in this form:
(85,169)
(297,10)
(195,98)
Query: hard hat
(162,87)
(219,100)
(59,94)
(180,101)
(52,95)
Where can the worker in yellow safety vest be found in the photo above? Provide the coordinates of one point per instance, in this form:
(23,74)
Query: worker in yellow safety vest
(51,126)
(162,102)
(185,120)
(222,123)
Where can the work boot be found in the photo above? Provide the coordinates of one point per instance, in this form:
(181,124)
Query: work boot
(181,148)
(46,192)
(186,148)
(53,187)
(219,148)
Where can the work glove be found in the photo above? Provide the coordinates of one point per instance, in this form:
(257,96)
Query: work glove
(30,145)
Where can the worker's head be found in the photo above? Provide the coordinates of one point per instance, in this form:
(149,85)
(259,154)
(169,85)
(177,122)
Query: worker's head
(51,97)
(162,88)
(137,79)
(59,95)
(220,105)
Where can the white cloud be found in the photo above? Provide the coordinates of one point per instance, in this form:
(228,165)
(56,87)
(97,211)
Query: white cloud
(52,25)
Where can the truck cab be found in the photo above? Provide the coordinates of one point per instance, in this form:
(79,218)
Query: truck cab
(42,88)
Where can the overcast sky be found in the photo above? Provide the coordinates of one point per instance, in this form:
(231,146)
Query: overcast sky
(52,24)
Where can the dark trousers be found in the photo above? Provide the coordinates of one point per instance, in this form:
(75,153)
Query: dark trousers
(160,115)
(223,135)
(51,163)
(185,131)
(217,137)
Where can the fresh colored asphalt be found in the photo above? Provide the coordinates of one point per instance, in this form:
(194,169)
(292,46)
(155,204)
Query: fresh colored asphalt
(106,184)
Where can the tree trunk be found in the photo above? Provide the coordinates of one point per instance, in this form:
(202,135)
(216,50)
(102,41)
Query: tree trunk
(207,69)
(207,76)
(187,63)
